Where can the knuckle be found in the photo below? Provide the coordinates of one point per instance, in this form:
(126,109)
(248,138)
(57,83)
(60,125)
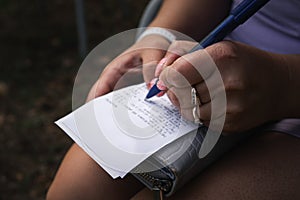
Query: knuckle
(235,110)
(180,47)
(238,110)
(223,50)
(233,121)
(181,65)
(176,48)
(170,77)
(175,75)
(234,84)
(184,64)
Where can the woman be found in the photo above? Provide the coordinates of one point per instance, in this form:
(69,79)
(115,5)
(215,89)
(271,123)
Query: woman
(260,70)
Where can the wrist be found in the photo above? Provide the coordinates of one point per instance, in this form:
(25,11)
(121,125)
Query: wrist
(162,32)
(152,41)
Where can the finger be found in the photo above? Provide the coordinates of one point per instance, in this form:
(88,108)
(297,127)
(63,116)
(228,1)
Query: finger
(152,49)
(210,108)
(173,98)
(164,87)
(175,50)
(92,93)
(180,47)
(187,113)
(182,98)
(210,87)
(202,92)
(151,57)
(118,70)
(213,110)
(205,112)
(131,77)
(172,78)
(191,68)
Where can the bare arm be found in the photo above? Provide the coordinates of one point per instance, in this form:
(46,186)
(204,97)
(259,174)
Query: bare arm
(192,17)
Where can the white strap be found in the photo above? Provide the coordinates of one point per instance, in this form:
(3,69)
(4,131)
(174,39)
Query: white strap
(158,31)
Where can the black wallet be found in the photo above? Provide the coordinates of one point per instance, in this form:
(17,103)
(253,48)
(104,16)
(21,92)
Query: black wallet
(169,169)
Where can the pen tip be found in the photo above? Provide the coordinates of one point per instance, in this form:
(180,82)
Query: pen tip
(153,91)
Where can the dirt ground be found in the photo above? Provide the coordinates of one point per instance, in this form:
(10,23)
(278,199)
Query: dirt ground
(38,63)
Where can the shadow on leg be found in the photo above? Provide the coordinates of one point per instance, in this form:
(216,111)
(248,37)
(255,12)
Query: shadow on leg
(265,167)
(79,177)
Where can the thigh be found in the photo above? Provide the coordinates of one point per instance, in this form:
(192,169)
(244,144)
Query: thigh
(79,177)
(267,166)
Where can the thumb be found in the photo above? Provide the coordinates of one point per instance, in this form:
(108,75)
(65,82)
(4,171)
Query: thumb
(177,49)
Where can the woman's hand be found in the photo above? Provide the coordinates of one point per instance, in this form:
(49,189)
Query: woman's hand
(136,63)
(255,83)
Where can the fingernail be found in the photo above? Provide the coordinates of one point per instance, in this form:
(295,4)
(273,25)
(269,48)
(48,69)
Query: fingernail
(159,67)
(160,85)
(148,85)
(152,82)
(161,94)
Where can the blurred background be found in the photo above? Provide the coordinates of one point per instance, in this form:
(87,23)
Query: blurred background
(39,59)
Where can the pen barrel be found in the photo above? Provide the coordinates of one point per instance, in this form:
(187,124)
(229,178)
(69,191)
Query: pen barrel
(220,32)
(238,16)
(246,9)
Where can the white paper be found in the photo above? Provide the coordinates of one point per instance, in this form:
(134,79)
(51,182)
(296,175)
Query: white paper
(121,129)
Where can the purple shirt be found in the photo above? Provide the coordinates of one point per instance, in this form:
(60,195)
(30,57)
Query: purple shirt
(275,28)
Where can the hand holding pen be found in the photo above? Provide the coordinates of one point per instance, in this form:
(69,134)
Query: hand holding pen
(176,49)
(183,79)
(238,16)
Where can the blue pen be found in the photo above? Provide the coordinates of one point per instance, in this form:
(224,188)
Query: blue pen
(237,16)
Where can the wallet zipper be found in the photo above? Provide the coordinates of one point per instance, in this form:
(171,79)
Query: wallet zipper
(158,195)
(163,185)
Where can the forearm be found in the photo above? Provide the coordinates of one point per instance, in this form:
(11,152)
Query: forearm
(195,18)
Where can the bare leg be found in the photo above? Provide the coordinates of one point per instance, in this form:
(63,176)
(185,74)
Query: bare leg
(266,167)
(79,177)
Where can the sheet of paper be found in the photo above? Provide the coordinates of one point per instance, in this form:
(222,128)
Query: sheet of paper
(121,129)
(68,125)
